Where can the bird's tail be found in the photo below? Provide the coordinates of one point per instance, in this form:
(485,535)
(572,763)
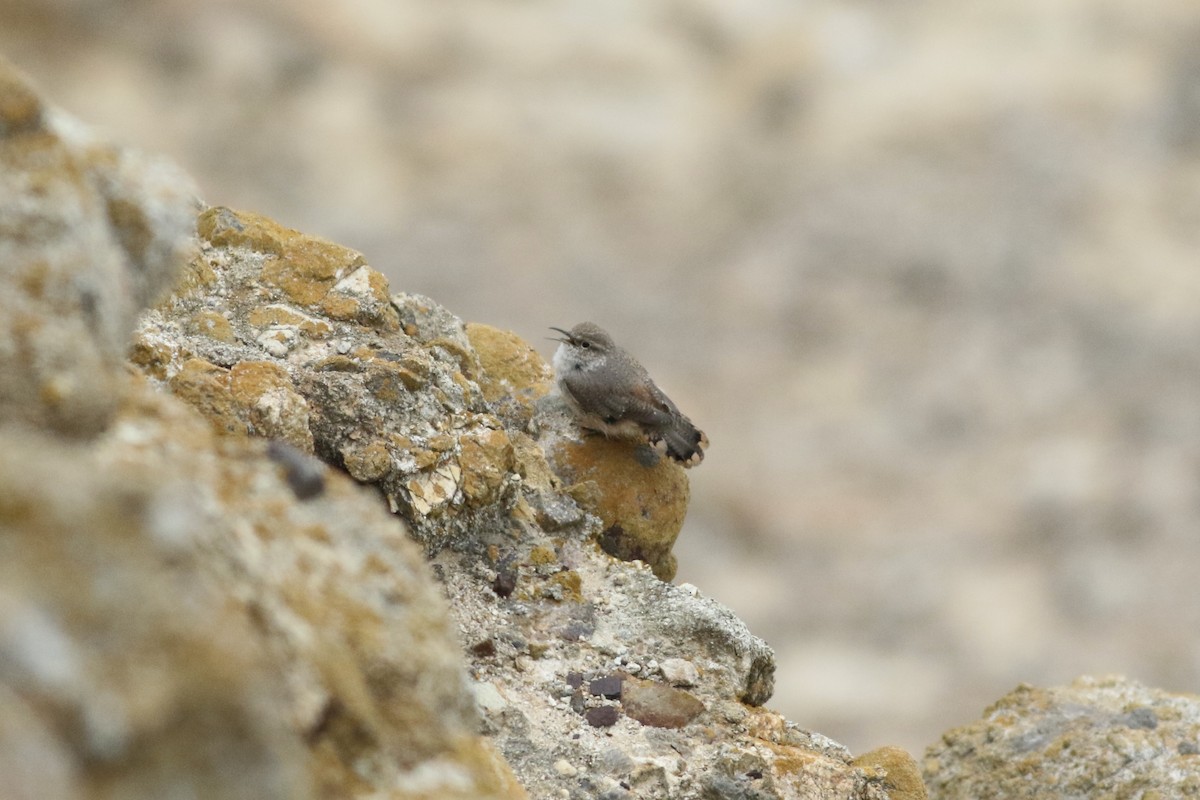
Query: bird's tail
(684,443)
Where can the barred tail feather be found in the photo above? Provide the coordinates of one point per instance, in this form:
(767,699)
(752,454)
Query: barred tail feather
(684,443)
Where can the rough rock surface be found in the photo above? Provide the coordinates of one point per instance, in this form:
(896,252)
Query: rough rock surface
(123,672)
(399,397)
(181,612)
(89,234)
(189,607)
(899,770)
(641,506)
(1098,737)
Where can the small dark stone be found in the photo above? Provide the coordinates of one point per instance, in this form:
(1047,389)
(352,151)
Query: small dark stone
(608,686)
(754,774)
(304,474)
(574,679)
(615,793)
(484,649)
(578,703)
(602,716)
(1188,748)
(1143,718)
(575,631)
(611,541)
(505,582)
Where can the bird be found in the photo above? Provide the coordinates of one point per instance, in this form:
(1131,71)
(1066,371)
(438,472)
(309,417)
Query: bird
(610,392)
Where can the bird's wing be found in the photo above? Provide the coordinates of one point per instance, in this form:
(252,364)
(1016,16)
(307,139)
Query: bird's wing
(643,403)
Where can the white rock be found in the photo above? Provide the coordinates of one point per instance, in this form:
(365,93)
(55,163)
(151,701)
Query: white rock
(679,672)
(488,697)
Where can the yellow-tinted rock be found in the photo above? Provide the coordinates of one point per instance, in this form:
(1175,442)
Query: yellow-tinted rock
(486,459)
(212,324)
(368,463)
(388,380)
(570,585)
(89,234)
(642,508)
(264,316)
(152,356)
(268,401)
(362,297)
(304,268)
(133,674)
(20,109)
(205,387)
(510,367)
(529,461)
(898,771)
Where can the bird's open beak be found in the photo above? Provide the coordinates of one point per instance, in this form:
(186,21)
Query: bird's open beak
(560,330)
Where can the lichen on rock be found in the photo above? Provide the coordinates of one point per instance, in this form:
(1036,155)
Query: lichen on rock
(1097,737)
(214,611)
(311,350)
(89,233)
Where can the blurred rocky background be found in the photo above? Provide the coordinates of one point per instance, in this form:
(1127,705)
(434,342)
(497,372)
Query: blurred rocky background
(925,272)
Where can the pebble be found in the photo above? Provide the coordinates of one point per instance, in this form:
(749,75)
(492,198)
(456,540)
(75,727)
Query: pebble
(608,686)
(660,706)
(277,342)
(505,582)
(305,475)
(602,716)
(488,697)
(679,672)
(564,768)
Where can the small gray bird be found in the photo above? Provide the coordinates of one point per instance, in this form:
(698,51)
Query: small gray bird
(610,392)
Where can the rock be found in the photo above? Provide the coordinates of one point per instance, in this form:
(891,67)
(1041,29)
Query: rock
(340,595)
(128,668)
(679,672)
(607,686)
(184,608)
(233,600)
(489,698)
(514,377)
(659,706)
(317,357)
(747,666)
(304,474)
(405,409)
(89,234)
(642,508)
(897,771)
(602,716)
(1097,737)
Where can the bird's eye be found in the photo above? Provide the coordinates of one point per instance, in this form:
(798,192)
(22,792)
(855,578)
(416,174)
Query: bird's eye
(585,344)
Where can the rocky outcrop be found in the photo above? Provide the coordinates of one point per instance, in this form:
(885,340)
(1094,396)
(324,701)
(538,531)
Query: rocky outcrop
(1098,737)
(89,234)
(180,610)
(192,602)
(316,538)
(590,673)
